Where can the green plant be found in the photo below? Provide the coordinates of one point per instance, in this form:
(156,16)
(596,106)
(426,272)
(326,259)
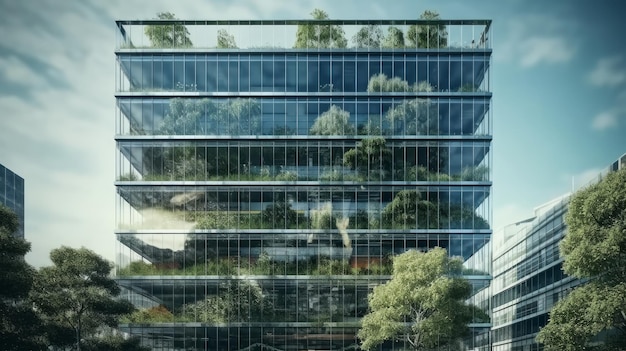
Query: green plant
(320,36)
(156,314)
(130,176)
(279,215)
(428,35)
(225,40)
(287,176)
(335,121)
(168,35)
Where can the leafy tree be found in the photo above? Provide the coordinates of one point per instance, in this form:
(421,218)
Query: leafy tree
(371,158)
(593,249)
(335,121)
(320,36)
(369,36)
(394,38)
(225,40)
(113,341)
(20,326)
(423,304)
(414,117)
(280,215)
(77,297)
(408,210)
(428,36)
(188,117)
(236,301)
(168,35)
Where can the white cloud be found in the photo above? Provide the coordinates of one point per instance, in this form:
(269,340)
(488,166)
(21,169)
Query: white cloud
(537,50)
(608,72)
(605,120)
(532,40)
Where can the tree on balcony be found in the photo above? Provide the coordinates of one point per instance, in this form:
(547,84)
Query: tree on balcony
(320,36)
(168,35)
(423,304)
(369,36)
(371,158)
(428,36)
(335,121)
(225,40)
(394,38)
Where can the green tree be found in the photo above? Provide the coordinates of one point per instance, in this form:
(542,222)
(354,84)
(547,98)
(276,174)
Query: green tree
(225,40)
(428,35)
(335,121)
(394,38)
(236,301)
(407,210)
(320,36)
(414,117)
(369,36)
(593,249)
(168,35)
(423,304)
(77,297)
(20,326)
(371,157)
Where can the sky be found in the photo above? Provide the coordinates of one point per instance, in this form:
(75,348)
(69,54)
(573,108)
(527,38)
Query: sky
(558,78)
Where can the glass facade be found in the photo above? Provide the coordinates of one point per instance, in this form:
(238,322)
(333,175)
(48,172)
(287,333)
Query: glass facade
(528,274)
(262,189)
(12,195)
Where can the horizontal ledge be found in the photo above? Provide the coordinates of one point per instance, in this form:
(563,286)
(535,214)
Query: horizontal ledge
(280,94)
(304,21)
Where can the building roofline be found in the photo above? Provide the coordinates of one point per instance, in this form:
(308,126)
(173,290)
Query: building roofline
(486,22)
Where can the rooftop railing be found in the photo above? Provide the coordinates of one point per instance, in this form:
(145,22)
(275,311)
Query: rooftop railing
(304,34)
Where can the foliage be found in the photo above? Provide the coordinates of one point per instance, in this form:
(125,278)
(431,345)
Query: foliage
(380,83)
(394,38)
(320,36)
(20,327)
(200,117)
(280,215)
(428,36)
(323,218)
(236,301)
(414,117)
(423,303)
(408,210)
(593,248)
(156,314)
(225,40)
(335,121)
(371,157)
(168,35)
(287,176)
(369,36)
(113,341)
(76,296)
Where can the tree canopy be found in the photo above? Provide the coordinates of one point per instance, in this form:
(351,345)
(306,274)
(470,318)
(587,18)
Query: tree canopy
(225,40)
(320,36)
(77,297)
(423,304)
(168,35)
(20,327)
(335,121)
(593,249)
(369,36)
(428,36)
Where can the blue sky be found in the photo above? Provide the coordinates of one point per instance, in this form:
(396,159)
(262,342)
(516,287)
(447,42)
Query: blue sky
(558,78)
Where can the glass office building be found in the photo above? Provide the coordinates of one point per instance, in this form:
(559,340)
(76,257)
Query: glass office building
(268,171)
(12,195)
(528,277)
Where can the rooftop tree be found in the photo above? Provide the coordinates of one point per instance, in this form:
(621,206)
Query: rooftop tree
(428,35)
(320,36)
(168,35)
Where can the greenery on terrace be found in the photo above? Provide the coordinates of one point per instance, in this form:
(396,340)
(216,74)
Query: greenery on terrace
(263,266)
(314,36)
